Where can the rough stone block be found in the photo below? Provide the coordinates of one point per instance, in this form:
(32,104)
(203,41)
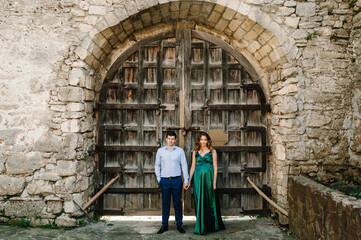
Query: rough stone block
(72,115)
(75,107)
(20,163)
(71,140)
(39,187)
(97,10)
(299,34)
(292,21)
(71,126)
(280,152)
(71,94)
(58,108)
(24,208)
(77,12)
(306,9)
(89,95)
(77,77)
(317,119)
(81,52)
(265,50)
(9,135)
(66,168)
(248,24)
(221,25)
(47,176)
(286,11)
(253,47)
(65,154)
(266,62)
(65,221)
(238,35)
(250,35)
(11,185)
(47,143)
(287,106)
(54,207)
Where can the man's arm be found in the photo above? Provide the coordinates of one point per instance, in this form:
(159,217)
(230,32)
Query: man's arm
(184,167)
(157,166)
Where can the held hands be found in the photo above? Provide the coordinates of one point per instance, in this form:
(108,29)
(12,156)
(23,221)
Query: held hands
(186,186)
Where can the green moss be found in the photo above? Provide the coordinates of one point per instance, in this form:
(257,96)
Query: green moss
(24,223)
(82,223)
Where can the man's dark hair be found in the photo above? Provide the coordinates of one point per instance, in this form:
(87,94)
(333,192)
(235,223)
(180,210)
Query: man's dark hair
(171,134)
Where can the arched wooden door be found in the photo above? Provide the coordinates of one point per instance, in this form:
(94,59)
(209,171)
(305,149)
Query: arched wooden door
(188,82)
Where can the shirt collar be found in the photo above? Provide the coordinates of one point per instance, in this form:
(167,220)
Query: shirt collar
(166,147)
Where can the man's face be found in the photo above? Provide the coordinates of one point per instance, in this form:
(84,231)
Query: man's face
(170,141)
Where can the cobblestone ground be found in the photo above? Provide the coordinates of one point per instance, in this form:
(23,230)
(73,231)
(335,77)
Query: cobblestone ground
(244,228)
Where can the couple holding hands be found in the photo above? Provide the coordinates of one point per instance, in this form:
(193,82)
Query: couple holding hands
(170,162)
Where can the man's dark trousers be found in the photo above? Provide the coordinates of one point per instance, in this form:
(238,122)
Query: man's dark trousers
(171,187)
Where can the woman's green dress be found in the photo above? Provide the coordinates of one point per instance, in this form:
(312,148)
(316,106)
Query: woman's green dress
(206,199)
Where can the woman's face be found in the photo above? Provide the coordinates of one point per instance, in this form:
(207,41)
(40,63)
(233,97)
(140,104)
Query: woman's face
(203,141)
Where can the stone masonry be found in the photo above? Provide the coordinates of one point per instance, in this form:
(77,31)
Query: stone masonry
(318,212)
(56,54)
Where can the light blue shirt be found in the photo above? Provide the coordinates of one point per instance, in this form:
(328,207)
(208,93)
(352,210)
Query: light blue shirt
(169,163)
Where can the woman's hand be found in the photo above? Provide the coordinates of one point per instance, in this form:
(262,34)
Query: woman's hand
(214,186)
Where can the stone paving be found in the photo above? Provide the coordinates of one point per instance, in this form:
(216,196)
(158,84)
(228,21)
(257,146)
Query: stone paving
(240,228)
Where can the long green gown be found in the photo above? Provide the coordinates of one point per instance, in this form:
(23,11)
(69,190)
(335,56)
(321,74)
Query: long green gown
(206,199)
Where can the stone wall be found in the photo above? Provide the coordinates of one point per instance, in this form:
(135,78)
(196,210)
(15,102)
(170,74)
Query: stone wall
(56,54)
(318,212)
(353,119)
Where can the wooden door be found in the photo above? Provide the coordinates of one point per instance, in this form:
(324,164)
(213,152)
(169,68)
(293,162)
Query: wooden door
(188,83)
(225,102)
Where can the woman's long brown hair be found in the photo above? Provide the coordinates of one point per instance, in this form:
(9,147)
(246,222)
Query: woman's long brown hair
(197,147)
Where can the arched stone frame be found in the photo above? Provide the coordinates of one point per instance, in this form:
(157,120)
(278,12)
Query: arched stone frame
(105,169)
(106,42)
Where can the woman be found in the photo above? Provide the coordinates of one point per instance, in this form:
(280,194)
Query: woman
(204,170)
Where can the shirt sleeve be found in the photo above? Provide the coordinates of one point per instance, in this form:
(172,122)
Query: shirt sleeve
(184,167)
(157,165)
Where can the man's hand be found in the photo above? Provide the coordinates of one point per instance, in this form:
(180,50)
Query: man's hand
(185,186)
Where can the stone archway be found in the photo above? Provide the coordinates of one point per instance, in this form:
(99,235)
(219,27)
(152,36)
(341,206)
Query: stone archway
(181,69)
(261,41)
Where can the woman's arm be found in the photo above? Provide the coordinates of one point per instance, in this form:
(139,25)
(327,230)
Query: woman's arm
(191,171)
(215,169)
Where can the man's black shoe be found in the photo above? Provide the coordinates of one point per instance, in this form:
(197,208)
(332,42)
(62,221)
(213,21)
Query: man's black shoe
(163,229)
(180,229)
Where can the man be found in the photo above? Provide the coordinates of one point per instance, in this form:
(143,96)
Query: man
(170,159)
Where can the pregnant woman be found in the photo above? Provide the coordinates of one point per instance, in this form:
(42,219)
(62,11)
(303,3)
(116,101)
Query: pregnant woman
(204,171)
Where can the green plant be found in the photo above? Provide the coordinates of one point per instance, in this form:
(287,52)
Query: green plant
(275,216)
(82,223)
(347,189)
(309,37)
(344,21)
(24,223)
(36,217)
(50,226)
(333,36)
(110,224)
(352,3)
(357,12)
(353,60)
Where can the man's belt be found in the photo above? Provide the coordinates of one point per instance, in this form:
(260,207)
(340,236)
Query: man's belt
(170,177)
